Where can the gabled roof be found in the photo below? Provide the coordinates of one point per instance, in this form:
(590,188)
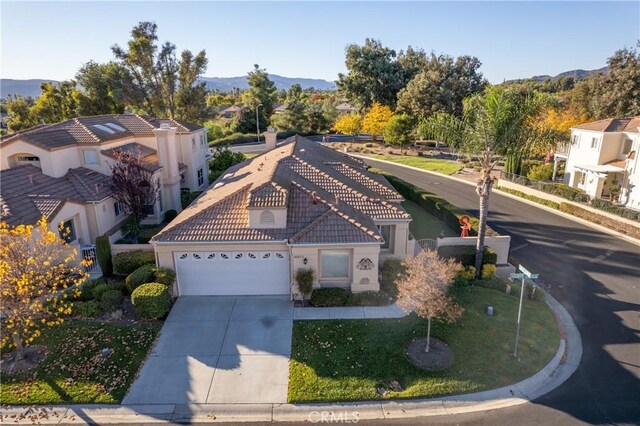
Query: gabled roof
(28,194)
(612,125)
(95,130)
(329,197)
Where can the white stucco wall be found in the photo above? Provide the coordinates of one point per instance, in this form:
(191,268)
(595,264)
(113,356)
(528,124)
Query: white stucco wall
(500,244)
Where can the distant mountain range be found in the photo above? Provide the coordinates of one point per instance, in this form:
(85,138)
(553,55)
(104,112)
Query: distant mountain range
(223,84)
(577,74)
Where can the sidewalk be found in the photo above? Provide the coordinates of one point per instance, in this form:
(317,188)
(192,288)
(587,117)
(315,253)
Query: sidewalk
(348,312)
(559,369)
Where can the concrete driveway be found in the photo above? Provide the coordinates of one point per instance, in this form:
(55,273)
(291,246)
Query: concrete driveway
(219,350)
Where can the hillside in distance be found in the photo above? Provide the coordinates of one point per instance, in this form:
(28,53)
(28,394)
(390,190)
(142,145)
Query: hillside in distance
(576,74)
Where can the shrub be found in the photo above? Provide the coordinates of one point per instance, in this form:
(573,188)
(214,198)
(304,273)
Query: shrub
(369,298)
(86,289)
(493,283)
(304,279)
(610,223)
(329,297)
(541,172)
(528,165)
(151,300)
(164,276)
(466,255)
(169,215)
(533,198)
(89,309)
(468,273)
(235,139)
(127,262)
(368,145)
(103,253)
(607,206)
(99,290)
(488,271)
(531,291)
(116,284)
(143,274)
(147,233)
(111,300)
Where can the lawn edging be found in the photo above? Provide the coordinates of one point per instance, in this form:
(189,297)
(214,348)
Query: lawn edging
(557,371)
(523,200)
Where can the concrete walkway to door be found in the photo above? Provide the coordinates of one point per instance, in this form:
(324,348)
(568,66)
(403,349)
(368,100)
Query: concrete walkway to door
(219,350)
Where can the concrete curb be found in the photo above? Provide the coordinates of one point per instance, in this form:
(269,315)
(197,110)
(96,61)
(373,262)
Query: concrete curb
(560,368)
(515,197)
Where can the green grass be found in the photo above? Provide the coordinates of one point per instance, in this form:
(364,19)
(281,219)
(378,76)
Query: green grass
(446,167)
(74,371)
(425,225)
(344,360)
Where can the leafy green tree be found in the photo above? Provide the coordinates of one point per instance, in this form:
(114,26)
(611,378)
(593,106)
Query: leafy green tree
(104,89)
(165,85)
(223,158)
(441,86)
(374,75)
(57,102)
(19,115)
(399,130)
(495,124)
(262,92)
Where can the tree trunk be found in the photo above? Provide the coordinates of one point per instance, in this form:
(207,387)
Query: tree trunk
(484,190)
(428,334)
(19,348)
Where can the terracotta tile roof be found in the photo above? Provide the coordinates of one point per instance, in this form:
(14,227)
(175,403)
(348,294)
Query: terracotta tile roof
(617,163)
(28,194)
(324,205)
(95,130)
(149,155)
(612,125)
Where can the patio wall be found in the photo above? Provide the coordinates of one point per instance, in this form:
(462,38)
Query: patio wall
(499,244)
(121,248)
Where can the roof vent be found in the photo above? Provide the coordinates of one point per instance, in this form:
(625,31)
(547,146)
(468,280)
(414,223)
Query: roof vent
(165,125)
(314,197)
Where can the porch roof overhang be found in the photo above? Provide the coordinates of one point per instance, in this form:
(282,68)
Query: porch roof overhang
(600,168)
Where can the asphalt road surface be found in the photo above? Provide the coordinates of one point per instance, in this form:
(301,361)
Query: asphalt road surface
(595,276)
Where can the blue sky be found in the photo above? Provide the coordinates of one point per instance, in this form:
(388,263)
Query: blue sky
(307,39)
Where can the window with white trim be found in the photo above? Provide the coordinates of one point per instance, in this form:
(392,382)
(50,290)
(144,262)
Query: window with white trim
(201,140)
(90,157)
(200,176)
(626,146)
(67,231)
(335,264)
(594,142)
(118,208)
(575,140)
(386,231)
(193,143)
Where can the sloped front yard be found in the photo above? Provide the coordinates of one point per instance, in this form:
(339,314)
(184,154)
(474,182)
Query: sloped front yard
(74,369)
(347,360)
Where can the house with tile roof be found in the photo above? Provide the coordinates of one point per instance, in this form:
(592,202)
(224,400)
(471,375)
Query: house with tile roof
(602,159)
(62,171)
(297,205)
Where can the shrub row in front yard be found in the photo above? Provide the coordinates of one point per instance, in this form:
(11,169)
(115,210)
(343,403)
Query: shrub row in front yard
(127,262)
(608,222)
(533,198)
(151,300)
(466,255)
(609,207)
(434,205)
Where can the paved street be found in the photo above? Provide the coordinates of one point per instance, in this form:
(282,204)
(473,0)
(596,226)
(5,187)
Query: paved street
(596,277)
(219,350)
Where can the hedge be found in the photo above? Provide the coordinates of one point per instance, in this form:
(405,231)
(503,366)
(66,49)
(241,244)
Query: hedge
(89,309)
(533,198)
(86,289)
(111,300)
(151,300)
(164,276)
(467,254)
(609,207)
(435,206)
(143,274)
(329,297)
(103,253)
(127,262)
(616,225)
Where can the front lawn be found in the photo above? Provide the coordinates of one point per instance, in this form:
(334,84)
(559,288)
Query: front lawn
(425,225)
(439,165)
(346,360)
(74,370)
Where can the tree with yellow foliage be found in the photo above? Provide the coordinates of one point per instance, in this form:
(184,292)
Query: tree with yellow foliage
(376,119)
(349,124)
(558,121)
(39,272)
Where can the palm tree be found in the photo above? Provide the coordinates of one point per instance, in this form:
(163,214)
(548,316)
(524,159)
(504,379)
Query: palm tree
(497,123)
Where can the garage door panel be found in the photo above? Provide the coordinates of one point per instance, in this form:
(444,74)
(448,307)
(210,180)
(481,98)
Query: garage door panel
(233,273)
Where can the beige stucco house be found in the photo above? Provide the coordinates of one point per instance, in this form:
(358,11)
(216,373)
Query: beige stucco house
(298,205)
(602,157)
(62,171)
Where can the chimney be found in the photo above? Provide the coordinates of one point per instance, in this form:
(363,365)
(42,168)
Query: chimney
(270,139)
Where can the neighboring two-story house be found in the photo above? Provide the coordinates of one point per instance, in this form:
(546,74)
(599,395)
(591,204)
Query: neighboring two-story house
(602,159)
(62,171)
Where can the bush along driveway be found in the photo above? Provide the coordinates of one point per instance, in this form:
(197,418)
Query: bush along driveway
(349,360)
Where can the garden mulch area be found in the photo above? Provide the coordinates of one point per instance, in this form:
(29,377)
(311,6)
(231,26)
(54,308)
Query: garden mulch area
(33,356)
(439,357)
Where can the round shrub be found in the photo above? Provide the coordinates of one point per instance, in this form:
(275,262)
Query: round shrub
(329,297)
(304,279)
(99,290)
(86,289)
(468,273)
(127,262)
(169,215)
(143,274)
(89,309)
(488,271)
(151,300)
(111,300)
(164,276)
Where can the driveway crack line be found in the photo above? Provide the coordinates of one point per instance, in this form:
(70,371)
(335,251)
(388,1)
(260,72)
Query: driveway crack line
(220,351)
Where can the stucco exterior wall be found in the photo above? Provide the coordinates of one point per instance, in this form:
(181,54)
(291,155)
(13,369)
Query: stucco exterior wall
(76,212)
(500,244)
(279,216)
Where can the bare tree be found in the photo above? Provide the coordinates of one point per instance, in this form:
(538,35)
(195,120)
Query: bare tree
(423,288)
(133,184)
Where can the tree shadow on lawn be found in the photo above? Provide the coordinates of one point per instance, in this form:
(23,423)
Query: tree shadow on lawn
(347,360)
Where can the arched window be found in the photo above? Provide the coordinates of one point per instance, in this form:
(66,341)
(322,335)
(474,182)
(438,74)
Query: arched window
(267,218)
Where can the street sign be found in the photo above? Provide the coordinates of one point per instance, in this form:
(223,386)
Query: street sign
(534,276)
(524,270)
(516,276)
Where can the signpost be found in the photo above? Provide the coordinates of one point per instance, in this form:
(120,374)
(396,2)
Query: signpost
(524,273)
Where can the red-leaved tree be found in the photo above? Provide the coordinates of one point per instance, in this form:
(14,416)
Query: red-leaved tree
(423,288)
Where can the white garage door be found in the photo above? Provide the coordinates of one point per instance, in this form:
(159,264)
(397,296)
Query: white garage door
(232,273)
